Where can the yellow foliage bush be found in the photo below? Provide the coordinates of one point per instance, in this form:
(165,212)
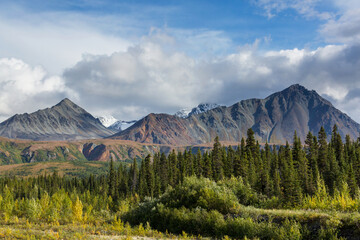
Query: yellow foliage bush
(77,210)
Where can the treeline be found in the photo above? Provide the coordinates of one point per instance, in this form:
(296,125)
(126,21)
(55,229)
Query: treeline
(291,173)
(205,193)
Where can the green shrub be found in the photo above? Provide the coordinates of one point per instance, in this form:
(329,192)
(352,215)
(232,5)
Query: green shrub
(201,192)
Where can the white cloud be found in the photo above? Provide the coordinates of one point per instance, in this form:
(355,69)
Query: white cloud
(155,77)
(166,69)
(345,29)
(25,88)
(58,40)
(341,24)
(307,8)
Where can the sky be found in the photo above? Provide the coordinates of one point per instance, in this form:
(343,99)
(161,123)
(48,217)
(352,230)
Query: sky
(129,58)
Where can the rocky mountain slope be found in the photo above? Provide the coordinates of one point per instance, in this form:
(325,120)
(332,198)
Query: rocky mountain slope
(273,119)
(63,121)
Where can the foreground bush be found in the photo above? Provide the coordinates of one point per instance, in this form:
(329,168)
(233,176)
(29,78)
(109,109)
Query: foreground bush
(188,207)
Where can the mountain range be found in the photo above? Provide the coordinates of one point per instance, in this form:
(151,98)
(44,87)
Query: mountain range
(273,119)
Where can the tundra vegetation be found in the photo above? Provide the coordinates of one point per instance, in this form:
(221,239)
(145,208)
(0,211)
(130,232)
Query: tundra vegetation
(294,191)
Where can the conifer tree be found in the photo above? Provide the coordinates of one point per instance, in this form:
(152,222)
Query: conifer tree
(338,146)
(142,180)
(301,164)
(218,171)
(250,141)
(251,175)
(173,169)
(149,177)
(199,164)
(112,179)
(237,165)
(333,176)
(182,166)
(134,173)
(323,152)
(244,163)
(265,184)
(226,156)
(351,180)
(207,165)
(164,171)
(292,190)
(191,163)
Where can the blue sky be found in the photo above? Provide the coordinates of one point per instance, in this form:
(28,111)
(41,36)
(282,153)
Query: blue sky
(129,58)
(241,21)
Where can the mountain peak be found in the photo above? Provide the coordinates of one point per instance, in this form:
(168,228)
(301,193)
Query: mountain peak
(273,119)
(64,121)
(296,88)
(66,101)
(202,107)
(296,91)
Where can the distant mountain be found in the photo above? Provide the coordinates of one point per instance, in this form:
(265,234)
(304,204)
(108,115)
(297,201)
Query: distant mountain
(115,125)
(201,108)
(273,119)
(183,113)
(64,121)
(121,125)
(107,121)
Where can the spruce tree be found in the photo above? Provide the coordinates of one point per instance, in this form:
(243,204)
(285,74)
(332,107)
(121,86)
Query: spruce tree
(149,177)
(173,169)
(134,173)
(142,180)
(244,163)
(207,165)
(250,141)
(164,171)
(237,165)
(199,164)
(301,164)
(218,171)
(333,176)
(275,173)
(323,152)
(112,179)
(292,190)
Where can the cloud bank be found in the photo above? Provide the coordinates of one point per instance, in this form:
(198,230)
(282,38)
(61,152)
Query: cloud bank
(25,88)
(150,78)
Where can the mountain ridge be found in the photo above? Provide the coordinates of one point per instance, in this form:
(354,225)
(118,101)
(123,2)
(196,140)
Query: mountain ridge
(273,119)
(202,107)
(63,121)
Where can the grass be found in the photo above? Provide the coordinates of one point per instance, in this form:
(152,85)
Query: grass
(22,229)
(64,168)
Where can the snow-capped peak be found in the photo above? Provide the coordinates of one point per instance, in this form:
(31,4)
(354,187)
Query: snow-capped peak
(121,125)
(114,124)
(183,113)
(108,120)
(203,107)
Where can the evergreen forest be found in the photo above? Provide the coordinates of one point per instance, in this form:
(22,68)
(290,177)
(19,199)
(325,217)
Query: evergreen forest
(306,189)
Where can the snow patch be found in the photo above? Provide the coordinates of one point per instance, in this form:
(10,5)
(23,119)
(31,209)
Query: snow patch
(201,108)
